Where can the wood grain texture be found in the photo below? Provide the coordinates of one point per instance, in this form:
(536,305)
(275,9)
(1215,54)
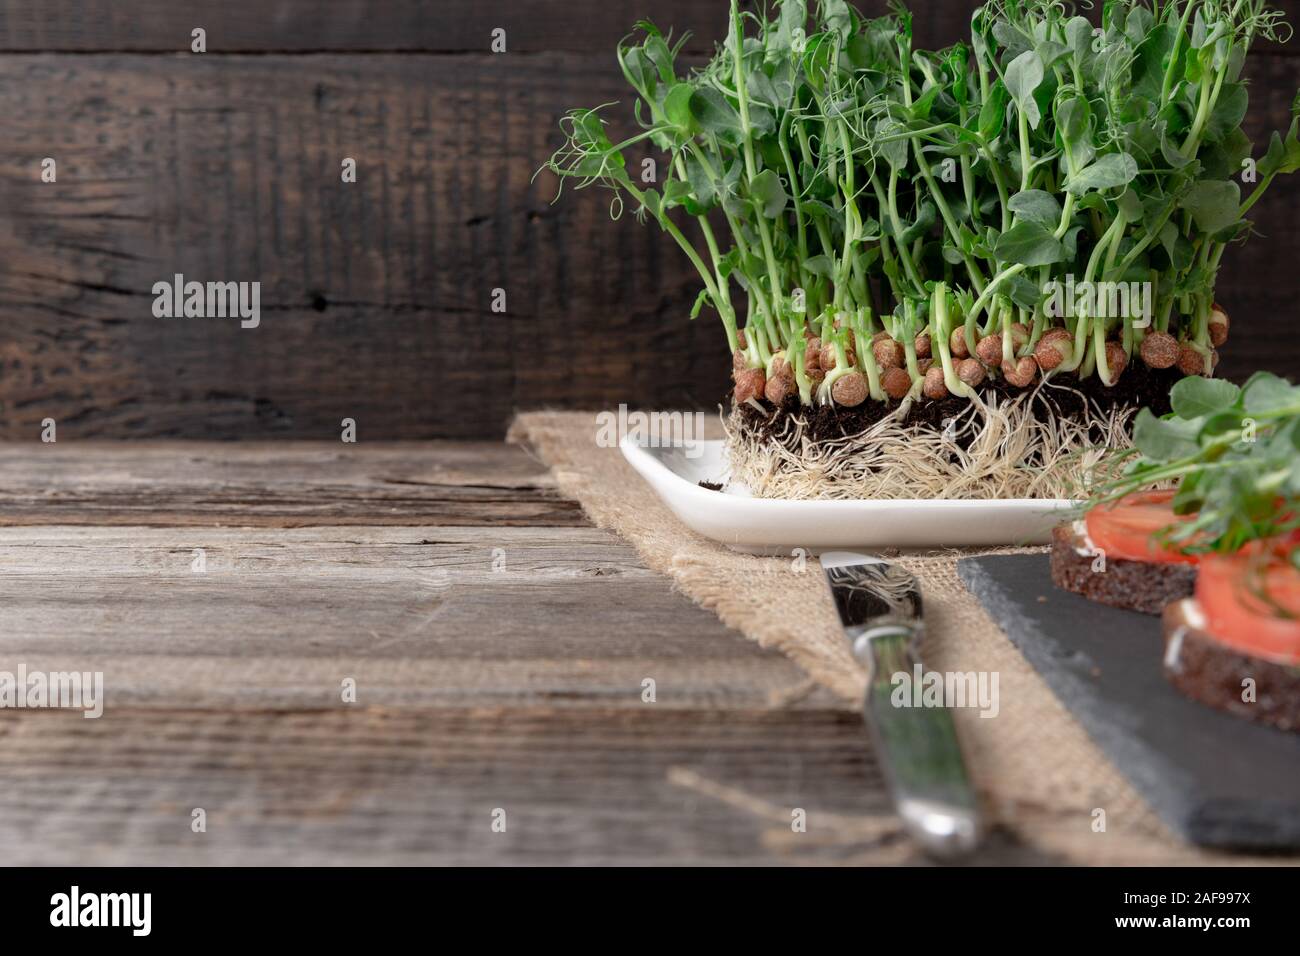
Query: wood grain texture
(588,787)
(516,598)
(285,484)
(494,667)
(453,26)
(384,593)
(416,616)
(376,295)
(375,787)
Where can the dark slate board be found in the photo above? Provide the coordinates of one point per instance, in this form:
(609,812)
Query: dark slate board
(1217,780)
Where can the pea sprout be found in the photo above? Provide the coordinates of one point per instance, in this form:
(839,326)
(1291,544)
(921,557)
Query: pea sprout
(1044,197)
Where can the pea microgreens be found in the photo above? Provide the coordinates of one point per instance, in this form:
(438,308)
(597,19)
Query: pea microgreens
(849,182)
(1235,452)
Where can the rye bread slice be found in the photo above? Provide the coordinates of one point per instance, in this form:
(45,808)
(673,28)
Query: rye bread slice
(1213,673)
(1133,585)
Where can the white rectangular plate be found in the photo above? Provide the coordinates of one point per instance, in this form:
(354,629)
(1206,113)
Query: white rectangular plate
(767,525)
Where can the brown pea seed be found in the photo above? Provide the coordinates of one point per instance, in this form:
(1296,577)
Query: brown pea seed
(888,353)
(957,343)
(1020,373)
(990,350)
(1053,349)
(778,387)
(750,383)
(850,390)
(1159,350)
(1218,327)
(970,371)
(934,386)
(827,357)
(1116,360)
(1190,361)
(896,382)
(812,359)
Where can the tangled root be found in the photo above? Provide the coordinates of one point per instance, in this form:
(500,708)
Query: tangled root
(994,449)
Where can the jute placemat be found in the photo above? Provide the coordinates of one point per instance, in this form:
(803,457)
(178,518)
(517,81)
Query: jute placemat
(1041,775)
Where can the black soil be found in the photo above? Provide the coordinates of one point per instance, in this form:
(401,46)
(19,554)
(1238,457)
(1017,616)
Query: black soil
(1065,396)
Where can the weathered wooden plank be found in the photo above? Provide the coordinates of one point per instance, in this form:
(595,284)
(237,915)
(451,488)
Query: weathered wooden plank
(96,467)
(389,612)
(422,613)
(385,787)
(395,25)
(416,617)
(375,294)
(321,592)
(717,673)
(180,484)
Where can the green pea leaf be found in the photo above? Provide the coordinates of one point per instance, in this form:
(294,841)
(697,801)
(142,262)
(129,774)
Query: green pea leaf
(1176,246)
(1113,169)
(1148,70)
(925,218)
(1282,157)
(638,69)
(1049,51)
(1035,205)
(1029,243)
(1214,204)
(993,114)
(925,103)
(652,202)
(1228,112)
(1163,439)
(794,14)
(895,150)
(769,193)
(701,183)
(1022,292)
(1024,76)
(1171,153)
(714,114)
(662,57)
(1079,32)
(1130,205)
(1072,116)
(820,265)
(677,106)
(1268,393)
(676,192)
(1195,396)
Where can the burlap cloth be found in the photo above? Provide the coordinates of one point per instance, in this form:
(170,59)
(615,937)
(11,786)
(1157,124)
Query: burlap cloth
(1041,775)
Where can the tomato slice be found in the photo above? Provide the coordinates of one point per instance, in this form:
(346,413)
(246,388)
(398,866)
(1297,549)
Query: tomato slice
(1251,606)
(1126,528)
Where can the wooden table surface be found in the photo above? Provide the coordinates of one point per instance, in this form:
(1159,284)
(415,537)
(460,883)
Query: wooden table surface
(498,643)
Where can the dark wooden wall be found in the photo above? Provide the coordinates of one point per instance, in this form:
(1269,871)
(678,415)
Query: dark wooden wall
(376,295)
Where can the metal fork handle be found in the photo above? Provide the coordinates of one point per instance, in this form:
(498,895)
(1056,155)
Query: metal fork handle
(918,749)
